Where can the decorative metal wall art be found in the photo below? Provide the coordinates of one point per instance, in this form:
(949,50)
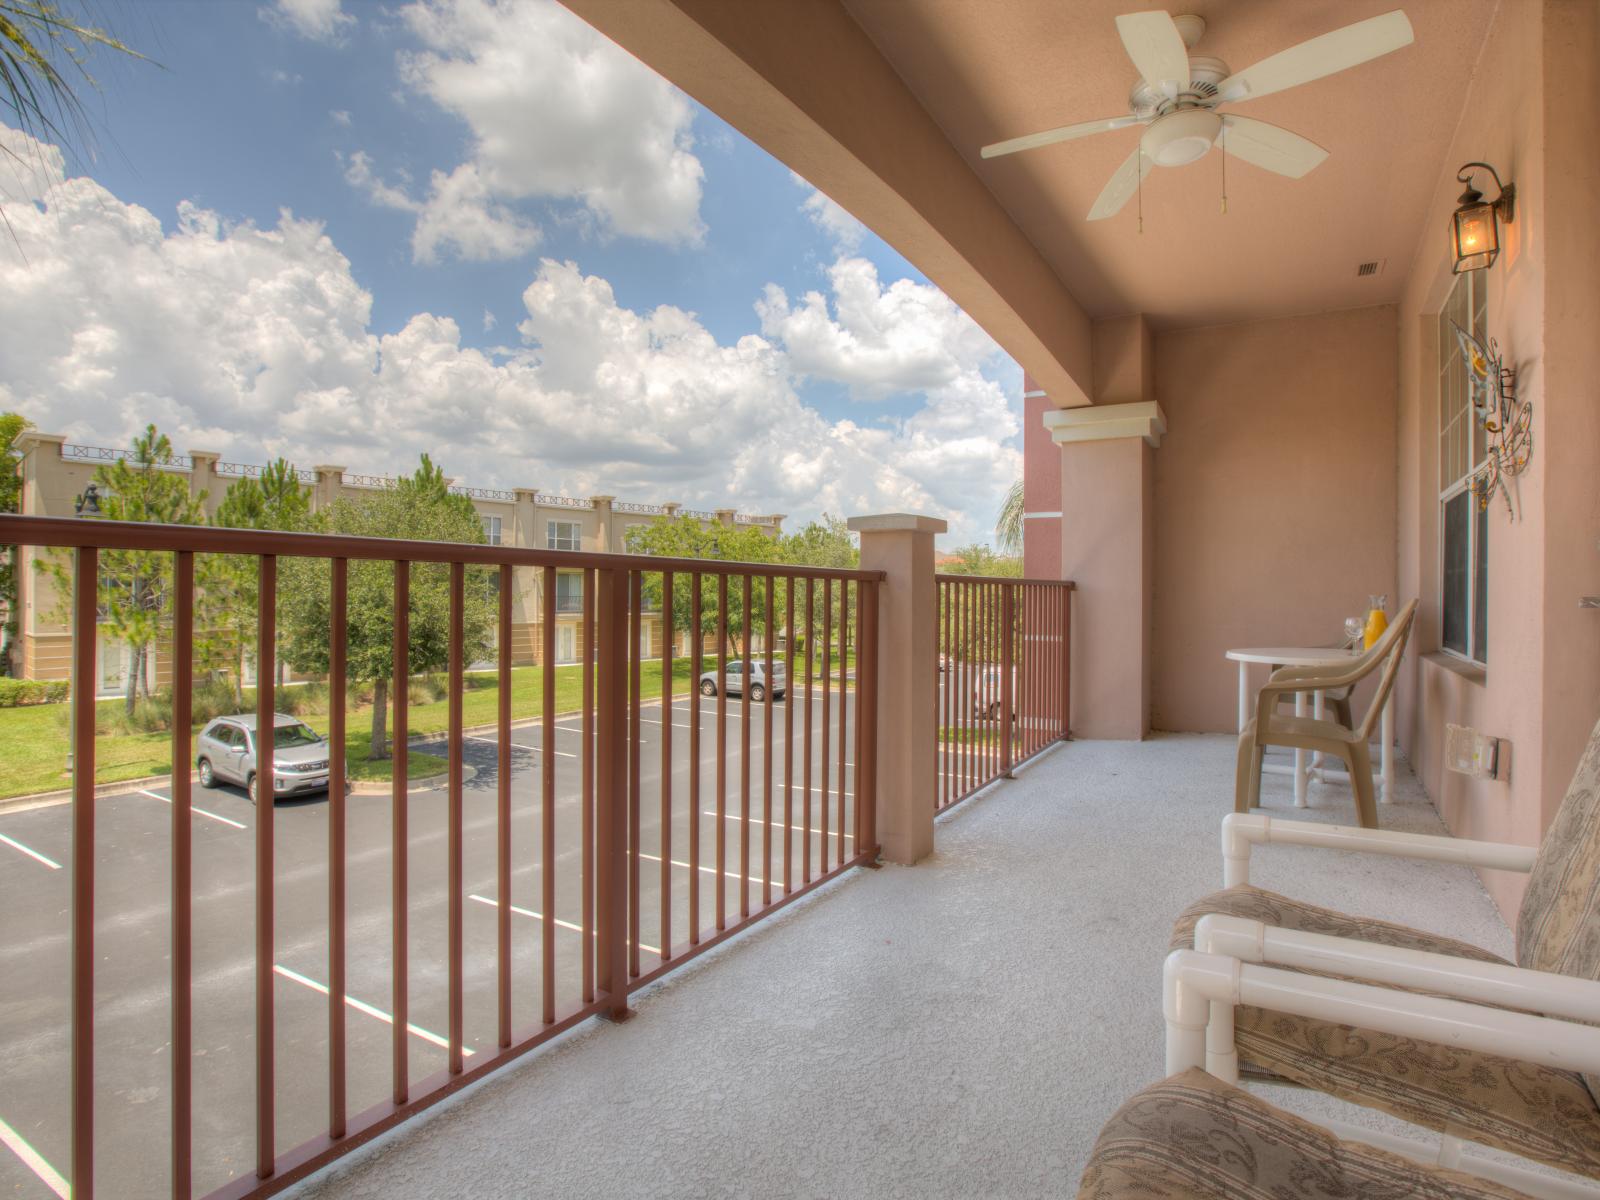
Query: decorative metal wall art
(1507,421)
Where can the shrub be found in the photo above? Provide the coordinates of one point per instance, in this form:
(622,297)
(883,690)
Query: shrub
(14,693)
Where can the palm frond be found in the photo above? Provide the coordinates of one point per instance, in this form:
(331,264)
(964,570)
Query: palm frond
(1008,527)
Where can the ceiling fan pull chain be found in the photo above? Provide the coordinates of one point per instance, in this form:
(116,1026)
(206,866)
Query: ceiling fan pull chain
(1224,142)
(1139,168)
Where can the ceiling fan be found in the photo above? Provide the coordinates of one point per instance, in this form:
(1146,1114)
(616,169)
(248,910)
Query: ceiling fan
(1178,95)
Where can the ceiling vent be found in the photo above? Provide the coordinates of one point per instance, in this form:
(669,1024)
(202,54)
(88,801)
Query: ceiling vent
(1370,268)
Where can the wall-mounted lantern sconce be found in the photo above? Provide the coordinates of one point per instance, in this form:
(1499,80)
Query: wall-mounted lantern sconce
(1475,225)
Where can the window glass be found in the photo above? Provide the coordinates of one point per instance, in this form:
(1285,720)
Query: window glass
(288,737)
(1457,513)
(1463,526)
(563,535)
(569,592)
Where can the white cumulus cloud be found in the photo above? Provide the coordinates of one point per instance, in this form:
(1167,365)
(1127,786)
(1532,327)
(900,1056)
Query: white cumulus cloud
(557,115)
(315,20)
(257,341)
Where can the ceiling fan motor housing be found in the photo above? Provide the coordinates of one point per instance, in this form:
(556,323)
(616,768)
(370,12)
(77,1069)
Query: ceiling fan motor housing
(1205,74)
(1181,137)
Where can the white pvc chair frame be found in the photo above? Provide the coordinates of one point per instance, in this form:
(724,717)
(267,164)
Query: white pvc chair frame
(1239,961)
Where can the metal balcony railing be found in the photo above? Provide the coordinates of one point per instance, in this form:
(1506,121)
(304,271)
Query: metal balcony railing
(781,803)
(1004,648)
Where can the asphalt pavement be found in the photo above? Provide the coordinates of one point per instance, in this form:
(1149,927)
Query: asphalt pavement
(133,936)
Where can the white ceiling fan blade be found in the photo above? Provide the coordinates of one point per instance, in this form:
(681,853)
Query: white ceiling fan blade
(1321,56)
(1156,47)
(1270,148)
(1120,187)
(1064,134)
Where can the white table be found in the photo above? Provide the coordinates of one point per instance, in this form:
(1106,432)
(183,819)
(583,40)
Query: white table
(1312,656)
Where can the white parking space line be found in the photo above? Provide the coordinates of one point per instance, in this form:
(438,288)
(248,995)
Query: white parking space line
(363,1007)
(473,737)
(705,870)
(528,912)
(711,812)
(34,1161)
(195,809)
(33,854)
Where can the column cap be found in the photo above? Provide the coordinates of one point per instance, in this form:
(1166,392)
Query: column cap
(1102,422)
(897,523)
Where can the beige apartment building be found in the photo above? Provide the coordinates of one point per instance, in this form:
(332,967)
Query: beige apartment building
(55,473)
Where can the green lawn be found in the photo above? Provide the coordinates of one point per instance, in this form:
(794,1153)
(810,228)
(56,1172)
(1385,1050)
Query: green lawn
(34,739)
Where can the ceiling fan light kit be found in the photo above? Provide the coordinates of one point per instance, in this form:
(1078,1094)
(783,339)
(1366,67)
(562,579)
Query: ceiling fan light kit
(1178,94)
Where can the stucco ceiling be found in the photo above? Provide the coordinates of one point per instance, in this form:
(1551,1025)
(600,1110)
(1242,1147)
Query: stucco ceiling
(986,71)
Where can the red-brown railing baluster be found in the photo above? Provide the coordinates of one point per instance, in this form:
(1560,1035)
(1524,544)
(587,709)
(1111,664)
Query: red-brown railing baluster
(697,640)
(547,798)
(85,607)
(844,706)
(805,769)
(788,734)
(502,844)
(588,772)
(612,788)
(722,751)
(399,837)
(747,617)
(635,652)
(826,669)
(667,633)
(338,609)
(182,873)
(266,797)
(766,754)
(455,781)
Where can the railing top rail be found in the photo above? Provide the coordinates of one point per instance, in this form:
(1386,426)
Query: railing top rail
(71,532)
(943,576)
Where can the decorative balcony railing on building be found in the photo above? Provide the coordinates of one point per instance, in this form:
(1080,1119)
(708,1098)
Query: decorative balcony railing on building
(99,454)
(564,501)
(1004,694)
(643,816)
(255,471)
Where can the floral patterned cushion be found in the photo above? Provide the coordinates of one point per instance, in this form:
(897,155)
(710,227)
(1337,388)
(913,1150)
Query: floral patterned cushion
(1558,926)
(1535,1111)
(1194,1136)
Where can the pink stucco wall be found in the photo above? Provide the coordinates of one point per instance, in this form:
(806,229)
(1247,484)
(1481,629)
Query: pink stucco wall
(1274,496)
(1532,112)
(1041,488)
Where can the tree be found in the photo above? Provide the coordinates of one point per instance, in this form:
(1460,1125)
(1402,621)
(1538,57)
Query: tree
(824,543)
(273,500)
(135,585)
(11,426)
(981,560)
(418,508)
(40,47)
(1008,527)
(685,537)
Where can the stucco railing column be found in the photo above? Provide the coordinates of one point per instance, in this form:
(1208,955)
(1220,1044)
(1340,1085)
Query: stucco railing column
(901,546)
(1107,550)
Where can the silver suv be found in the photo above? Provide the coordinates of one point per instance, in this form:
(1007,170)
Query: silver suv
(227,754)
(758,680)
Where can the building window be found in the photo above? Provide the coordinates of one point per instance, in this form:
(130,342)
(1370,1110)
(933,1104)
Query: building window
(563,535)
(569,592)
(491,530)
(1463,525)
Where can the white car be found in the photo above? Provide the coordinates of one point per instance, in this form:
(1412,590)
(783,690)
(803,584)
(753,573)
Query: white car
(758,680)
(226,753)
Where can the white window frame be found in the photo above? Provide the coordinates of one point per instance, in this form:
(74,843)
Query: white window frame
(1476,284)
(492,527)
(563,535)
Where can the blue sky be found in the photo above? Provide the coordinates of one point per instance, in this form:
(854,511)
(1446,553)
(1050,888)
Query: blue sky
(501,167)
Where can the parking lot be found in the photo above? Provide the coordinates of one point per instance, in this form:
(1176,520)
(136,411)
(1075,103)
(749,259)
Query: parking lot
(133,936)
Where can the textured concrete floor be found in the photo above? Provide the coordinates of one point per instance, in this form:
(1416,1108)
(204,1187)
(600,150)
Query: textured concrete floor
(958,1028)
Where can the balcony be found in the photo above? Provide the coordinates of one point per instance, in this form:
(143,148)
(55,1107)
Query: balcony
(960,1028)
